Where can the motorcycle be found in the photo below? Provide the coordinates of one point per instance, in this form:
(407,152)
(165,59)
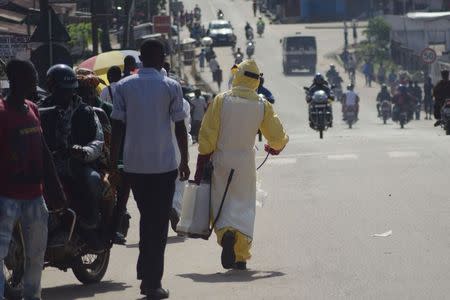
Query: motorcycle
(350,115)
(238,58)
(249,34)
(260,29)
(386,110)
(445,117)
(320,113)
(250,49)
(67,248)
(220,15)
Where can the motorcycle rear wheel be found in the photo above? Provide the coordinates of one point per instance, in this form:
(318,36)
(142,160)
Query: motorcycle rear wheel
(321,133)
(384,120)
(90,268)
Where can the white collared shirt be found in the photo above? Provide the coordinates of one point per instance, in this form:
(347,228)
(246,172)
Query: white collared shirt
(106,94)
(147,102)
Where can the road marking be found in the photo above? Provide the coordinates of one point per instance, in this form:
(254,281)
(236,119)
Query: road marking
(282,161)
(402,154)
(342,157)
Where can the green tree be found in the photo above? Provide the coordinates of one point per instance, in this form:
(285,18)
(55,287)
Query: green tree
(378,32)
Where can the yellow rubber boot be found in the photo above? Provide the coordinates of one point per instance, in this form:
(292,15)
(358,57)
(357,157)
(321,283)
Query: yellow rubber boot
(242,244)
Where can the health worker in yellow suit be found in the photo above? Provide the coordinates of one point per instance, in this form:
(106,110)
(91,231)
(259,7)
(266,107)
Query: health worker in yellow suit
(227,137)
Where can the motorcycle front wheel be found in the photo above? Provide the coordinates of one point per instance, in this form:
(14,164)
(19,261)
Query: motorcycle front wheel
(90,268)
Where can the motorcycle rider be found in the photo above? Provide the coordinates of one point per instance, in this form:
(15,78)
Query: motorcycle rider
(74,135)
(382,96)
(238,56)
(250,48)
(260,26)
(197,10)
(441,92)
(350,100)
(320,84)
(264,91)
(417,93)
(248,31)
(403,102)
(220,14)
(331,73)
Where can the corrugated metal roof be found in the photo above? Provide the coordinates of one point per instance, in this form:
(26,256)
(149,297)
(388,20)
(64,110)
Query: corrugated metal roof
(12,16)
(11,28)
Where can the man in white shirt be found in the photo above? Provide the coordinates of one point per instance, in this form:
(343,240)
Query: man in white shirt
(199,106)
(145,105)
(350,100)
(114,74)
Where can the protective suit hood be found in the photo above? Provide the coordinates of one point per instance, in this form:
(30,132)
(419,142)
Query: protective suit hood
(246,79)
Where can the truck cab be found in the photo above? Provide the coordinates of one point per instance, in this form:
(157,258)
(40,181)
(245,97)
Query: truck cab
(299,53)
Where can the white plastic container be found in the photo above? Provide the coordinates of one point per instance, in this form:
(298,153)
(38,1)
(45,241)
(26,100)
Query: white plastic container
(195,212)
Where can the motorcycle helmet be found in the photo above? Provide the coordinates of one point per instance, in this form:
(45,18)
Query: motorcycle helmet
(332,67)
(62,76)
(350,87)
(383,87)
(318,79)
(320,97)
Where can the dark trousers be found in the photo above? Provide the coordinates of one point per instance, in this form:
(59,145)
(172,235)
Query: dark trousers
(153,194)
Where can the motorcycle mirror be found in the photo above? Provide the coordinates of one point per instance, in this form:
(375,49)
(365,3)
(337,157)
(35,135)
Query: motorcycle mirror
(306,88)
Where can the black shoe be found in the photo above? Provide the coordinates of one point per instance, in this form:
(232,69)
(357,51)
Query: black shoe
(228,257)
(438,122)
(174,219)
(240,265)
(156,294)
(119,239)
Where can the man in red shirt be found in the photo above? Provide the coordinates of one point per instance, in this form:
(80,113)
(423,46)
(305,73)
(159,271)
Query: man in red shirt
(25,161)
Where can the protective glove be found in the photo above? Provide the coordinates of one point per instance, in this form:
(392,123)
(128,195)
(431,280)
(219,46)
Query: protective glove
(202,160)
(271,151)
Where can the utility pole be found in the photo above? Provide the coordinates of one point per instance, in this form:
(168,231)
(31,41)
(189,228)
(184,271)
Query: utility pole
(94,27)
(45,12)
(149,10)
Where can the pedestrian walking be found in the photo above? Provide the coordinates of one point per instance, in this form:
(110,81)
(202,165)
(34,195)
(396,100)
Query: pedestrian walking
(145,105)
(26,169)
(129,66)
(213,65)
(227,136)
(381,75)
(201,59)
(199,106)
(255,7)
(345,35)
(428,98)
(355,31)
(113,75)
(368,72)
(218,77)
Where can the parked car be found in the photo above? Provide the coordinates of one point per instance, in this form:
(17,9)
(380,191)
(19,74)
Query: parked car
(221,32)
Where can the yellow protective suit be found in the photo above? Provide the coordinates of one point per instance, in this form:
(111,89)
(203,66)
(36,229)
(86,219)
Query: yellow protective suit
(228,131)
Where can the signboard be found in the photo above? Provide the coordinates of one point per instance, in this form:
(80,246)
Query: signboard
(11,45)
(428,56)
(161,24)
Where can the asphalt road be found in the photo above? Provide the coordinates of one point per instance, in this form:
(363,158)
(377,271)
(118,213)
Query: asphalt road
(325,201)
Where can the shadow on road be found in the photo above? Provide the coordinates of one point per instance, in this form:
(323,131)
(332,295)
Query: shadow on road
(232,276)
(77,291)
